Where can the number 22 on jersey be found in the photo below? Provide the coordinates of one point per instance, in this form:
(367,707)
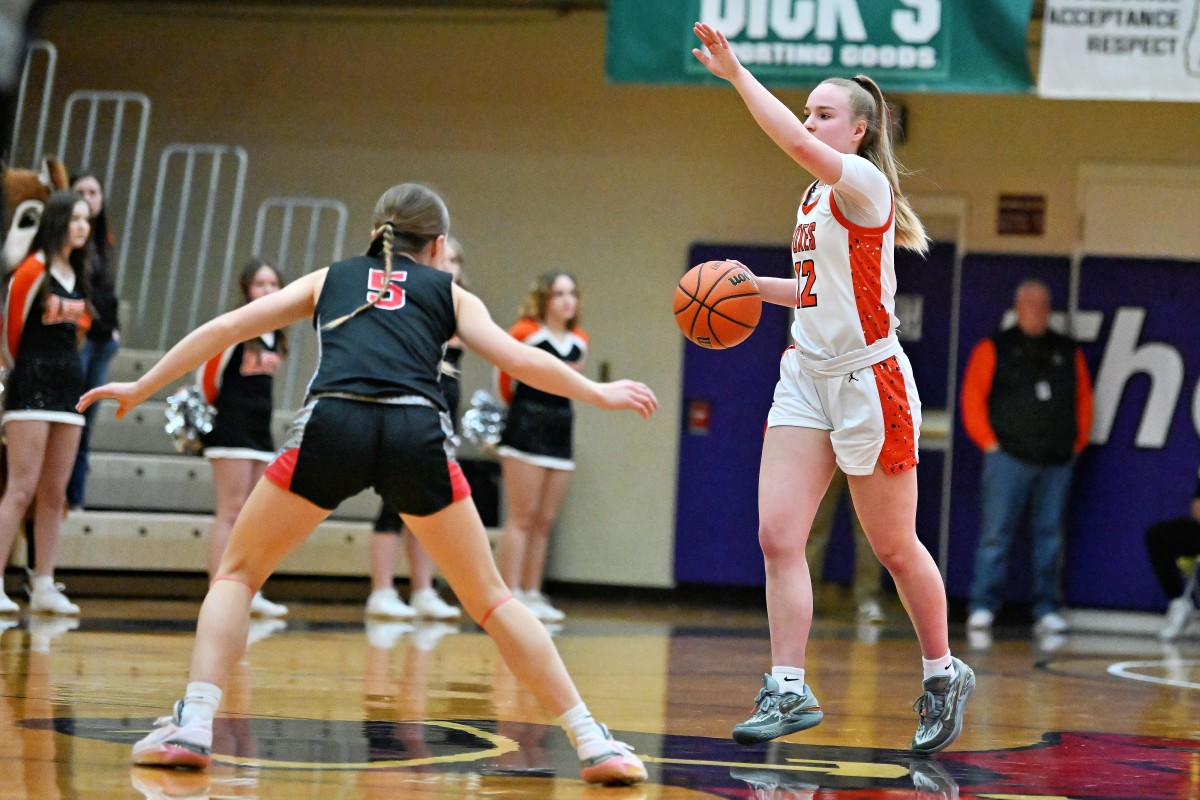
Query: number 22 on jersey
(392,296)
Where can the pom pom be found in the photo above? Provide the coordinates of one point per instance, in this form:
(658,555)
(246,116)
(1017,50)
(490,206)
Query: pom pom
(188,418)
(483,422)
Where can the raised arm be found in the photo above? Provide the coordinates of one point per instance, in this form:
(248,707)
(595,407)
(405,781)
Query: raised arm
(294,302)
(775,118)
(539,369)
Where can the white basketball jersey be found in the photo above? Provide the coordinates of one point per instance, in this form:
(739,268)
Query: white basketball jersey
(843,251)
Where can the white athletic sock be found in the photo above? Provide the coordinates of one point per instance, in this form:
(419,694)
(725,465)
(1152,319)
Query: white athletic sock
(584,732)
(200,702)
(790,679)
(938,666)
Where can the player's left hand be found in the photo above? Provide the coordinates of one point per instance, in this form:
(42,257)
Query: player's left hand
(127,395)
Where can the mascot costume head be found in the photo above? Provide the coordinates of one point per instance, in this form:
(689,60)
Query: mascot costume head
(25,195)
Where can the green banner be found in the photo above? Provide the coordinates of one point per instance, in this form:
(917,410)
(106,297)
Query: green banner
(975,46)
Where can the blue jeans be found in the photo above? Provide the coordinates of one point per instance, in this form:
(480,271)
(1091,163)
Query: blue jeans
(94,360)
(1009,485)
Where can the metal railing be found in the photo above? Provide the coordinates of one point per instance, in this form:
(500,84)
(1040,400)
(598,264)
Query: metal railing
(318,237)
(99,148)
(193,230)
(51,57)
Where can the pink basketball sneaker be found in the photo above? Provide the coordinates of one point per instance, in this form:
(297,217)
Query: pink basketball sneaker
(617,765)
(173,744)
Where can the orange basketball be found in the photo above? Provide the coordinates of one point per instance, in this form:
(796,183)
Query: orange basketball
(717,304)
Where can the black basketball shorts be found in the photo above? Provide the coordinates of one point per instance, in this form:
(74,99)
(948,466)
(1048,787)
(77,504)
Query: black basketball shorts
(337,447)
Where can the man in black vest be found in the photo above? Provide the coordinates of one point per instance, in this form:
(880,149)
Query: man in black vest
(1027,404)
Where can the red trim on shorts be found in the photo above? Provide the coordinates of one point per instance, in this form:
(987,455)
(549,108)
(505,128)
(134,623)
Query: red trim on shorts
(460,489)
(283,468)
(899,450)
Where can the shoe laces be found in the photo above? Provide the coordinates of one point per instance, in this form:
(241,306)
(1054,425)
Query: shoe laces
(620,747)
(766,700)
(174,718)
(930,704)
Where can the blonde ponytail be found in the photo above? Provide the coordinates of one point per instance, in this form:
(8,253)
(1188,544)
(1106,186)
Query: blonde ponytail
(867,102)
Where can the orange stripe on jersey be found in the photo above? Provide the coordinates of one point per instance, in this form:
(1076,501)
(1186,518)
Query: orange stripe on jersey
(210,376)
(22,291)
(899,450)
(521,330)
(866,268)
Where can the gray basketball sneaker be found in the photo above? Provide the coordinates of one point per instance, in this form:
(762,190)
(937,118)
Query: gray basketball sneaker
(777,714)
(942,708)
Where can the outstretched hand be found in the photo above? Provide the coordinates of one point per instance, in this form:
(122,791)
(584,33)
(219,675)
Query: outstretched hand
(127,395)
(626,394)
(720,59)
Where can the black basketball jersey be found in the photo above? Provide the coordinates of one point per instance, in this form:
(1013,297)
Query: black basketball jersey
(392,349)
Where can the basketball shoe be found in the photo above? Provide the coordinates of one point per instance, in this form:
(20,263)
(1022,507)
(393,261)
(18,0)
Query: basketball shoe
(173,744)
(941,709)
(778,713)
(615,765)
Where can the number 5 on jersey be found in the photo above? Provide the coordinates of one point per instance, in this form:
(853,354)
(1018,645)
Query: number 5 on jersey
(392,296)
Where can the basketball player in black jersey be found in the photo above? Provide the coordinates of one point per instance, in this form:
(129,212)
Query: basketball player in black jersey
(375,417)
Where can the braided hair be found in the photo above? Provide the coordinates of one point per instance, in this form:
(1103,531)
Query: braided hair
(408,216)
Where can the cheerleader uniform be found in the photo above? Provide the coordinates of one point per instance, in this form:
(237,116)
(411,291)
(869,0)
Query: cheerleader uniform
(538,428)
(238,383)
(45,312)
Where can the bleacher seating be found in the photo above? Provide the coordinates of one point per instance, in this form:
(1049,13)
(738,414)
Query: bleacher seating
(149,508)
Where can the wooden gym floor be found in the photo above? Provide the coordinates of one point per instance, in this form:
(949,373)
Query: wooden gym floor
(326,707)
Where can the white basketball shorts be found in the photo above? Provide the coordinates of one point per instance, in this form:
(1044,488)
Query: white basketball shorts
(873,414)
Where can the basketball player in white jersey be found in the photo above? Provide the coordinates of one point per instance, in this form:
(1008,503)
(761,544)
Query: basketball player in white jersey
(845,395)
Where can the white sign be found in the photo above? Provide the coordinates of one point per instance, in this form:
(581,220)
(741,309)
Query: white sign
(1121,50)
